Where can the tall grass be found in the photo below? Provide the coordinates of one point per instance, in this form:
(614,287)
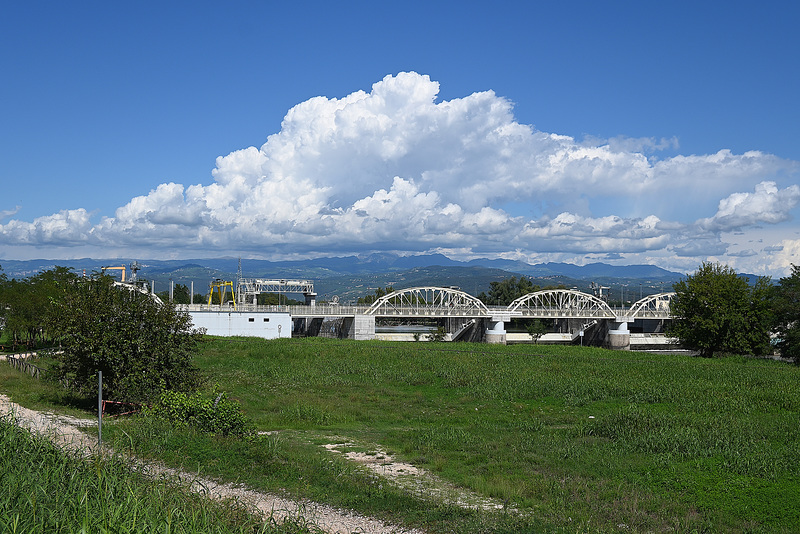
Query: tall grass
(43,489)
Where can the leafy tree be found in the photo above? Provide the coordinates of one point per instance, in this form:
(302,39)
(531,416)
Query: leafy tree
(787,315)
(142,347)
(25,304)
(181,294)
(716,310)
(507,291)
(275,299)
(3,306)
(18,310)
(536,330)
(380,292)
(437,335)
(48,288)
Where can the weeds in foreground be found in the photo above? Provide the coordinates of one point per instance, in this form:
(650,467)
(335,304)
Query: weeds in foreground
(44,489)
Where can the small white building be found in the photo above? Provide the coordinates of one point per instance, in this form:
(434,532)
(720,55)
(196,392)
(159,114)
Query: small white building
(267,325)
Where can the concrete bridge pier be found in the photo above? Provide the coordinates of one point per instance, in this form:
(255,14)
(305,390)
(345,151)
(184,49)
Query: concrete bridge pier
(496,330)
(361,327)
(619,337)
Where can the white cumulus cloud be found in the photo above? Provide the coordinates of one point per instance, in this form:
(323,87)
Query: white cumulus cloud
(787,255)
(766,204)
(65,228)
(397,169)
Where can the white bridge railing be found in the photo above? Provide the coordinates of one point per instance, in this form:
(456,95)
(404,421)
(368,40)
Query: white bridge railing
(445,302)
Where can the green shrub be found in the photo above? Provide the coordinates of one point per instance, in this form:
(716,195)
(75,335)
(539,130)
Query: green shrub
(141,346)
(218,415)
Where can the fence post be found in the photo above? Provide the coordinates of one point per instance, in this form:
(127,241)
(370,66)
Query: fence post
(99,410)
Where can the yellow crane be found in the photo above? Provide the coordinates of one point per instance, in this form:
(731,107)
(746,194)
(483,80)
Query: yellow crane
(222,290)
(122,268)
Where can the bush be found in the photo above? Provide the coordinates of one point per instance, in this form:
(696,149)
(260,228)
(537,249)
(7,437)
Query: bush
(141,345)
(218,415)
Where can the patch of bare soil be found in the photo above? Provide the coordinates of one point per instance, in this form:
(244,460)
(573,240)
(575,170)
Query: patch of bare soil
(413,479)
(65,432)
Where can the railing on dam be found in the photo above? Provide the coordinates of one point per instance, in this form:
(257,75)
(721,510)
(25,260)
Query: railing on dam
(446,302)
(320,310)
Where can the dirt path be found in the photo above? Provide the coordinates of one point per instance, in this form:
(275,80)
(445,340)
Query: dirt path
(413,479)
(64,431)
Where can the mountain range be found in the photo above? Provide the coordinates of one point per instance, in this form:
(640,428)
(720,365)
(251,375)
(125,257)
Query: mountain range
(353,276)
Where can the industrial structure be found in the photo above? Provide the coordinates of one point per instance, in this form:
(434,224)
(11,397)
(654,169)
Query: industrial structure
(249,289)
(463,316)
(573,315)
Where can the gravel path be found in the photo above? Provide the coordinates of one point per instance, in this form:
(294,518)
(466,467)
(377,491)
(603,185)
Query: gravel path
(65,432)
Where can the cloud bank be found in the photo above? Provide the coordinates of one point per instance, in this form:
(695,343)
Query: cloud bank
(394,169)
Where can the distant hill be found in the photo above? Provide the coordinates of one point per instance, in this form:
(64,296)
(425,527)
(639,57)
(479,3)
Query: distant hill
(472,280)
(353,276)
(580,272)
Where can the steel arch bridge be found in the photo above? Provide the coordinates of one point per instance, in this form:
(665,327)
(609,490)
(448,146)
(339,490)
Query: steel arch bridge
(653,307)
(428,302)
(561,303)
(433,302)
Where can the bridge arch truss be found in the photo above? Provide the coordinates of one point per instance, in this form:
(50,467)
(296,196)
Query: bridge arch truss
(561,303)
(428,302)
(653,307)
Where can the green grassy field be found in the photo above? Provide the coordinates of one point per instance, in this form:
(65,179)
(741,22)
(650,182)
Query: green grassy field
(571,439)
(43,489)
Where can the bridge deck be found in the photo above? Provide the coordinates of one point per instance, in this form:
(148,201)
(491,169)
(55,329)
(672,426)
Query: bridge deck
(411,312)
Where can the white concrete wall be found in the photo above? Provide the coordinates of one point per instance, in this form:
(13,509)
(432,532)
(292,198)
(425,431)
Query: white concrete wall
(250,324)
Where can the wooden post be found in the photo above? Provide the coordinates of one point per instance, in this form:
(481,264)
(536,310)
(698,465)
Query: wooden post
(99,409)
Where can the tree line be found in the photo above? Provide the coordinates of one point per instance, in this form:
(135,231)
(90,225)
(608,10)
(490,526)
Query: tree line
(506,291)
(141,345)
(717,311)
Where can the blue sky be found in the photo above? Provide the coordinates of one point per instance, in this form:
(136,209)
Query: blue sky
(624,132)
